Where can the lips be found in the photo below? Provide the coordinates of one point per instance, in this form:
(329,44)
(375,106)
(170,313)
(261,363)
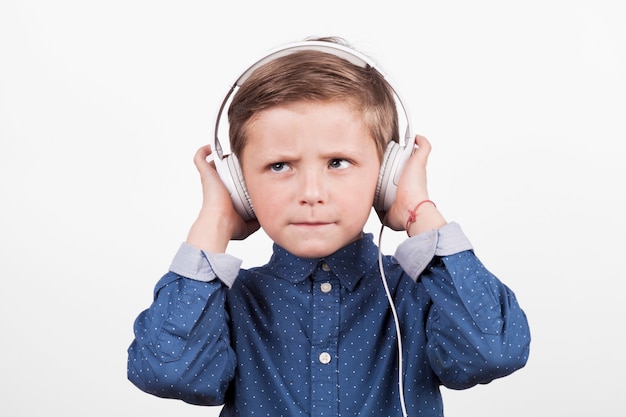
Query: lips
(312,223)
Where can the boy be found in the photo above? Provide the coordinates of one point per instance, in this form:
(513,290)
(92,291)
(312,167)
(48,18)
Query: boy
(312,333)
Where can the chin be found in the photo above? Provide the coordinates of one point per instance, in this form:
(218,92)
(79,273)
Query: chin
(316,248)
(314,245)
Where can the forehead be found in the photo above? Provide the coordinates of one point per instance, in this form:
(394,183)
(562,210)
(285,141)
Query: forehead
(308,118)
(336,126)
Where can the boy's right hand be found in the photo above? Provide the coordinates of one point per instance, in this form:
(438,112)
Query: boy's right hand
(218,222)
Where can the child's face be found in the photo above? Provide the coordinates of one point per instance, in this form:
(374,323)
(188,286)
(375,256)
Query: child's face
(311,169)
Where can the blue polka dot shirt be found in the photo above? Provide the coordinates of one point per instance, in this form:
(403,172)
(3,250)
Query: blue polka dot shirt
(316,337)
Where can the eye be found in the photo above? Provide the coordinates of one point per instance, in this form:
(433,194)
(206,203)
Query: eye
(338,163)
(278,167)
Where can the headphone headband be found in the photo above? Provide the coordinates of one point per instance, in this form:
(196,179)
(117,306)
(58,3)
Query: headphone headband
(332,48)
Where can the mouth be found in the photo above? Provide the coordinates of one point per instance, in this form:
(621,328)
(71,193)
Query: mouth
(312,224)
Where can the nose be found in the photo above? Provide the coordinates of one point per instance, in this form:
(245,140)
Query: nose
(312,188)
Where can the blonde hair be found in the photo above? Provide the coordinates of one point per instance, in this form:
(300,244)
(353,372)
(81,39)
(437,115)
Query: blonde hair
(315,76)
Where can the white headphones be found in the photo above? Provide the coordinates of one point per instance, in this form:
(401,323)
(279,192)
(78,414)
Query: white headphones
(394,159)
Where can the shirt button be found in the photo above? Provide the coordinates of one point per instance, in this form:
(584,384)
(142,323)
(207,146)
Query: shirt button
(325,267)
(326,287)
(324,358)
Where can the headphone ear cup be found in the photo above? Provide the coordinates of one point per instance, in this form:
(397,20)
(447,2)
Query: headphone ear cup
(238,192)
(394,159)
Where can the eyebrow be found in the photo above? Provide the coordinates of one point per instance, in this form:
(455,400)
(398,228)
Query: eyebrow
(278,155)
(281,155)
(342,151)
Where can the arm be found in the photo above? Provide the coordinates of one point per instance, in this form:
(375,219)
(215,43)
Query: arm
(181,347)
(476,329)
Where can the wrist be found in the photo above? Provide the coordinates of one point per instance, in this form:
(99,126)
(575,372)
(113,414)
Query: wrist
(209,233)
(424,216)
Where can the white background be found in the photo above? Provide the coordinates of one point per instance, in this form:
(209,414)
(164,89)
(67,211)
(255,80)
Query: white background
(104,103)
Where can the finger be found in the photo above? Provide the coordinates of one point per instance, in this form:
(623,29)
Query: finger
(423,148)
(200,158)
(202,153)
(423,143)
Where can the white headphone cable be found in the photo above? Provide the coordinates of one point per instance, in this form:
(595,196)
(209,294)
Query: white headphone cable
(396,321)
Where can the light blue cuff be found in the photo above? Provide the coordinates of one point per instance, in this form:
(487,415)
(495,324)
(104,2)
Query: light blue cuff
(415,253)
(193,263)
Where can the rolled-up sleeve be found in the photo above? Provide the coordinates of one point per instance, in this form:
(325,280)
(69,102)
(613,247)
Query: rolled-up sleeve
(415,254)
(193,263)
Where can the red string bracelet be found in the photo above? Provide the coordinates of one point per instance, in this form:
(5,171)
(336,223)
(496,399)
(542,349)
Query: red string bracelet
(413,213)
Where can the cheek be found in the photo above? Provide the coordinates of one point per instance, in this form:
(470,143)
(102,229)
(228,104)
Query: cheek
(366,184)
(358,196)
(265,197)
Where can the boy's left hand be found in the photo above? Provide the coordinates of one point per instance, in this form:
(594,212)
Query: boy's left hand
(412,189)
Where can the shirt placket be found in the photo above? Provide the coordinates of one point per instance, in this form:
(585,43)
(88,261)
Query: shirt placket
(324,363)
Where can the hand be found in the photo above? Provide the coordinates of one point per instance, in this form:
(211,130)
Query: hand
(218,222)
(412,189)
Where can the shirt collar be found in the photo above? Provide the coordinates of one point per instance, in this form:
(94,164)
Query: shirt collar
(349,264)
